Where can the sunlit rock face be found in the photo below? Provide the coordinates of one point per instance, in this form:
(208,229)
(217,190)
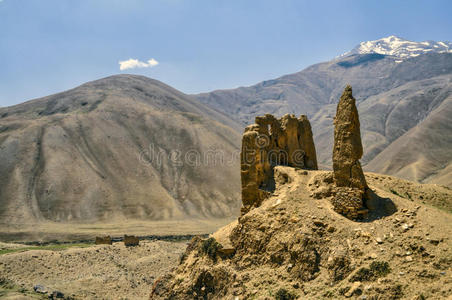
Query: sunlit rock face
(348,174)
(268,143)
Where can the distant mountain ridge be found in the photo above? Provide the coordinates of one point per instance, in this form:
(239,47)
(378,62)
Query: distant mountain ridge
(399,47)
(85,155)
(396,97)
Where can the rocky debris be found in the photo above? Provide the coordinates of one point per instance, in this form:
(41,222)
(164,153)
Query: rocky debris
(286,244)
(354,289)
(323,192)
(159,286)
(91,272)
(405,227)
(331,229)
(319,223)
(40,289)
(226,252)
(131,240)
(376,270)
(348,174)
(434,241)
(270,142)
(56,295)
(339,266)
(300,250)
(321,186)
(103,240)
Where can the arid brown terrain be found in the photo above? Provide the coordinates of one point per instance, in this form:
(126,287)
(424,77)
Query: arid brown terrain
(404,106)
(88,272)
(128,155)
(296,245)
(319,234)
(272,242)
(118,149)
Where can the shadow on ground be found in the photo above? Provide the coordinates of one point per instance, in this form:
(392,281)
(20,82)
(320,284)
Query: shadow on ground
(378,207)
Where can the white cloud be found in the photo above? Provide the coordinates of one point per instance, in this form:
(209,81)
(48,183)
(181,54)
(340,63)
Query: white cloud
(135,63)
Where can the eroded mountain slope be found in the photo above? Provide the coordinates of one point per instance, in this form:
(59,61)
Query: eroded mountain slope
(393,97)
(423,153)
(116,148)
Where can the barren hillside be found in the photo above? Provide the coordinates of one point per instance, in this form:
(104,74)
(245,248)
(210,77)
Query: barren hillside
(123,147)
(399,100)
(294,246)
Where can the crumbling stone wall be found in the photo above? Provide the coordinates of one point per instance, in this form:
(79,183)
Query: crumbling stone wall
(348,175)
(268,143)
(349,202)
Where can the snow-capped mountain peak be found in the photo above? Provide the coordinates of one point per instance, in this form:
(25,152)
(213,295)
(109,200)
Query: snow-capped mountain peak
(399,47)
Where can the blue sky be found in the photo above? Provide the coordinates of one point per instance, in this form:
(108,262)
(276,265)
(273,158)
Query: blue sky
(47,46)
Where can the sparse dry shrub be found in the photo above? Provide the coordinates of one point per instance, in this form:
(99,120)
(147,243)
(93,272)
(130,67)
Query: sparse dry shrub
(339,267)
(377,269)
(210,248)
(283,294)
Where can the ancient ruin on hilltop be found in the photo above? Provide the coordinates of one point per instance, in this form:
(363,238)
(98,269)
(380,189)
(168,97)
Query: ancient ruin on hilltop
(288,141)
(347,148)
(270,142)
(348,175)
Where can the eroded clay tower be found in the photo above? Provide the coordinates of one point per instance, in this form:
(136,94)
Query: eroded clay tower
(270,142)
(348,174)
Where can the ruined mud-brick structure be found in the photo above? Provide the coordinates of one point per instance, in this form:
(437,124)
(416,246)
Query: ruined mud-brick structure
(270,142)
(348,175)
(103,240)
(131,240)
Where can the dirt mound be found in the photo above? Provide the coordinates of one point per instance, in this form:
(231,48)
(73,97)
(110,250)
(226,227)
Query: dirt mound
(296,246)
(429,194)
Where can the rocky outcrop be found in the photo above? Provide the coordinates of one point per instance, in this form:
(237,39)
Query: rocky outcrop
(268,143)
(293,247)
(348,148)
(348,174)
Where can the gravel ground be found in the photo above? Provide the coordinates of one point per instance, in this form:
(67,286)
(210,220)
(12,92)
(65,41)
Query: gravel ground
(95,272)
